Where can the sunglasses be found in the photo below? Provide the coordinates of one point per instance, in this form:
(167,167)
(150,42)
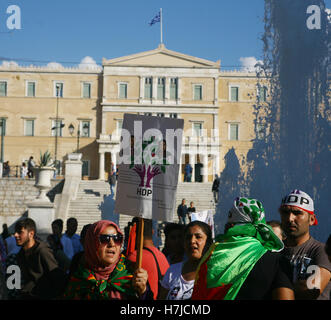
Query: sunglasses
(105,238)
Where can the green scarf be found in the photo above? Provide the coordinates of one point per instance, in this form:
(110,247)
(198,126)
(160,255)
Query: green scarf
(84,285)
(228,262)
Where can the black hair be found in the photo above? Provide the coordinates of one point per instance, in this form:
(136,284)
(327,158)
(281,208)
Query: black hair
(59,223)
(205,228)
(171,227)
(84,231)
(328,246)
(27,224)
(72,219)
(148,228)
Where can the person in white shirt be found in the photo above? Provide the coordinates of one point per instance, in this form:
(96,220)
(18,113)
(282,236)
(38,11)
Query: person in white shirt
(24,170)
(178,282)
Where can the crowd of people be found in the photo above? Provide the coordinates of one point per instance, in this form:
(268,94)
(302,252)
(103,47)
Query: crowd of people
(251,259)
(26,169)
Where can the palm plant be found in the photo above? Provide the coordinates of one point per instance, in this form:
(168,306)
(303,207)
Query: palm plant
(46,160)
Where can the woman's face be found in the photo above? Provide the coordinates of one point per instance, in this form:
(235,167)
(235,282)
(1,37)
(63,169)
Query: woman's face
(195,241)
(109,253)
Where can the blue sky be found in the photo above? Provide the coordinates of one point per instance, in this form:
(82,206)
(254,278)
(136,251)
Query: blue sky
(67,31)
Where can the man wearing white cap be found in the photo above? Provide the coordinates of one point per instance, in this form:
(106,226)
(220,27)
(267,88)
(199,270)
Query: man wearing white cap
(311,267)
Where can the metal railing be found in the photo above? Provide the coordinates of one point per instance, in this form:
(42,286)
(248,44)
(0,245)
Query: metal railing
(14,172)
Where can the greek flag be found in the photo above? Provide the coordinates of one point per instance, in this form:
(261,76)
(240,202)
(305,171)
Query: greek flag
(156,19)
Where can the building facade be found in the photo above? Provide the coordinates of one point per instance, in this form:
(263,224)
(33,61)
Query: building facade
(66,110)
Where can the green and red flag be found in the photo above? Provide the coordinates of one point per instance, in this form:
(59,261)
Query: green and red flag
(227,264)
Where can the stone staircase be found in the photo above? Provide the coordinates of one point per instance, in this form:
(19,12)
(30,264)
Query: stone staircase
(86,208)
(199,193)
(94,201)
(16,193)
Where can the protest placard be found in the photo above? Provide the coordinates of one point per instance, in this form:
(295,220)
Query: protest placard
(149,166)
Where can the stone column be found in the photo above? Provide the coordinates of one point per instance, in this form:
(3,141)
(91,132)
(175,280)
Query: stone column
(154,88)
(216,90)
(167,89)
(101,166)
(179,90)
(217,164)
(113,158)
(215,121)
(205,168)
(180,168)
(103,122)
(192,163)
(142,91)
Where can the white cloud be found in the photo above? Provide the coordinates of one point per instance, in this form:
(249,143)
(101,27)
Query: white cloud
(89,63)
(54,66)
(8,64)
(250,64)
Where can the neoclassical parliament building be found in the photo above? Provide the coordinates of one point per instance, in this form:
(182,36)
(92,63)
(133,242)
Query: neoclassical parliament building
(65,110)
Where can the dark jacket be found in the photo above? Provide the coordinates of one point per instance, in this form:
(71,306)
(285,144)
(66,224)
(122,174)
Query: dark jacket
(43,279)
(216,184)
(182,210)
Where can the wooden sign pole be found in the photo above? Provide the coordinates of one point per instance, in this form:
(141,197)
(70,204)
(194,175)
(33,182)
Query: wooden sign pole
(140,242)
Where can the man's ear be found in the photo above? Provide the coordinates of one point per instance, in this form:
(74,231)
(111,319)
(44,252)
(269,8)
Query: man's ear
(31,234)
(312,218)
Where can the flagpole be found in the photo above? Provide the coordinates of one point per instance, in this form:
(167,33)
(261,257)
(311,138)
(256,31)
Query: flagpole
(161,25)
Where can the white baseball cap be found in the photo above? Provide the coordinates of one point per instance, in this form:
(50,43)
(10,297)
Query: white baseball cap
(300,199)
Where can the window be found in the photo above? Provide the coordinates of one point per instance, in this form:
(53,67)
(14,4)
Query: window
(2,126)
(160,115)
(29,128)
(148,114)
(197,92)
(58,89)
(233,131)
(3,88)
(148,88)
(234,93)
(84,128)
(160,88)
(173,89)
(262,93)
(197,127)
(119,124)
(123,91)
(86,90)
(173,115)
(57,127)
(30,89)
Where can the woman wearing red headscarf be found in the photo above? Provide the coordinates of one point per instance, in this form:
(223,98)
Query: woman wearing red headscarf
(104,273)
